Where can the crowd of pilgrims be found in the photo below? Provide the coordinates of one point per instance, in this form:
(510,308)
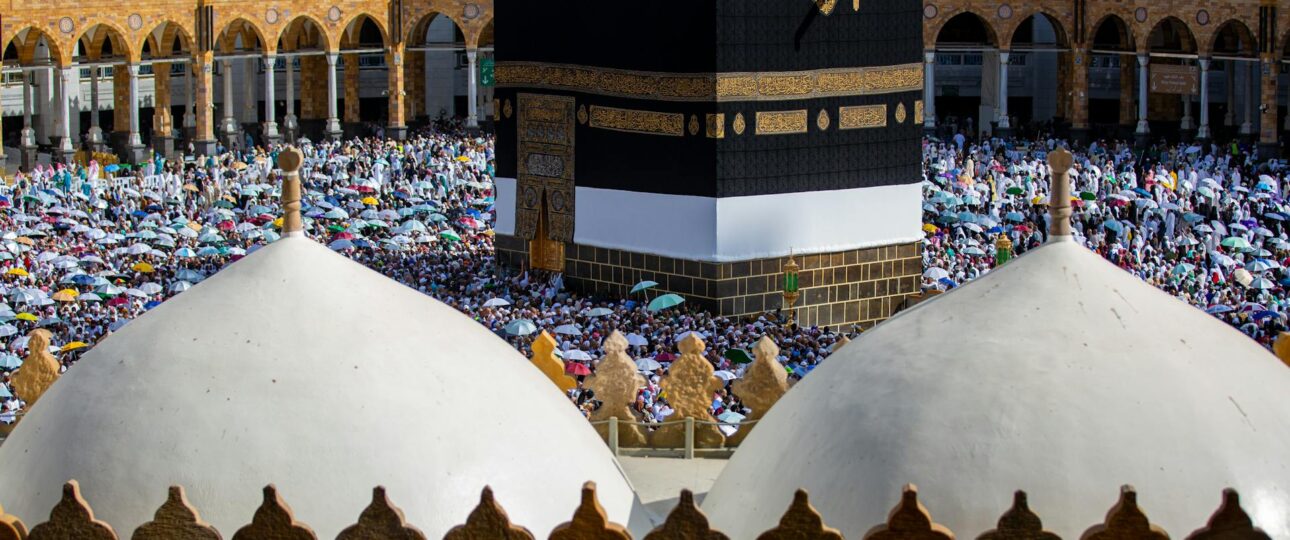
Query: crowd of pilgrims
(1206,223)
(82,257)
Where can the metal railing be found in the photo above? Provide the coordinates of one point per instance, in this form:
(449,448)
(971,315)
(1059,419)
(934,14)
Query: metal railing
(688,451)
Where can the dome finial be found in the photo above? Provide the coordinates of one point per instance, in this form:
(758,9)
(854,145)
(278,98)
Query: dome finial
(289,161)
(1059,197)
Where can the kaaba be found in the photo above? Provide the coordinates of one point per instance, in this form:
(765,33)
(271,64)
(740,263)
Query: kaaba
(701,144)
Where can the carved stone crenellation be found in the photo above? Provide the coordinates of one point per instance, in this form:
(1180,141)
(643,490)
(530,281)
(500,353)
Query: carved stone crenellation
(590,521)
(801,522)
(176,519)
(488,521)
(616,383)
(1125,521)
(763,383)
(72,518)
(381,520)
(38,371)
(545,360)
(909,520)
(690,384)
(686,521)
(274,521)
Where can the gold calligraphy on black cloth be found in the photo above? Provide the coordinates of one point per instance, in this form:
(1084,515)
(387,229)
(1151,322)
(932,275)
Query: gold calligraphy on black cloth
(545,166)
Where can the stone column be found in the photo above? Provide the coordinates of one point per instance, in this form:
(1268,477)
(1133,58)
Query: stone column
(203,103)
(929,91)
(1202,132)
(135,142)
(1005,125)
(1247,125)
(95,137)
(271,135)
(1187,124)
(27,137)
(66,150)
(1269,67)
(289,122)
(250,113)
(231,126)
(398,123)
(333,122)
(351,115)
(472,102)
(163,133)
(1144,127)
(1127,108)
(190,119)
(1079,94)
(1229,119)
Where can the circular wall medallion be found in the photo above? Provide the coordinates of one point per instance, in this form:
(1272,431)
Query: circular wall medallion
(557,201)
(582,114)
(900,113)
(1140,14)
(470,11)
(1202,17)
(271,16)
(822,121)
(530,197)
(333,14)
(506,108)
(135,21)
(65,25)
(930,11)
(739,124)
(694,125)
(1005,11)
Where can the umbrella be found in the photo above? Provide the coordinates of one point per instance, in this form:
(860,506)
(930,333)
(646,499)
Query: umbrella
(738,356)
(150,288)
(17,272)
(1262,265)
(1243,277)
(1262,284)
(643,364)
(643,285)
(568,330)
(497,302)
(576,369)
(1237,243)
(935,273)
(7,330)
(636,340)
(664,302)
(24,316)
(143,267)
(90,297)
(73,346)
(599,312)
(725,375)
(575,354)
(520,327)
(450,235)
(66,295)
(180,286)
(10,361)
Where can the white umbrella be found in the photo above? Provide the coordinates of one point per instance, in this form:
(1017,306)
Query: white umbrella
(496,302)
(577,356)
(568,330)
(180,286)
(725,375)
(150,288)
(1262,284)
(637,340)
(936,274)
(7,330)
(648,364)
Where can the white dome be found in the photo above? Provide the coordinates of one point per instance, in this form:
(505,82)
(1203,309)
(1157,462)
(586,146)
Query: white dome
(298,367)
(1058,374)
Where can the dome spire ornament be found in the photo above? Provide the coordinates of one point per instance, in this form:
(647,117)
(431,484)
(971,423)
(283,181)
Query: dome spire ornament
(1059,198)
(289,161)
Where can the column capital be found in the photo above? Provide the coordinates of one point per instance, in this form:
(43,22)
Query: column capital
(472,53)
(1004,55)
(929,56)
(1203,61)
(332,57)
(133,68)
(1143,59)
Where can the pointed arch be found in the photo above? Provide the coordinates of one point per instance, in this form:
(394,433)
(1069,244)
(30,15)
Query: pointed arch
(352,35)
(247,31)
(303,27)
(25,41)
(1233,38)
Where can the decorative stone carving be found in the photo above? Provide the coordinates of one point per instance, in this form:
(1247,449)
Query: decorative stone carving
(589,521)
(616,383)
(488,521)
(176,519)
(690,385)
(72,518)
(38,371)
(273,521)
(1019,523)
(839,344)
(381,520)
(546,362)
(686,521)
(763,383)
(801,522)
(909,520)
(1282,347)
(11,528)
(1230,522)
(1125,521)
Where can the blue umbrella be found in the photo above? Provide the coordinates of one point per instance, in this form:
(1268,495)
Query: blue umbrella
(1113,225)
(1015,217)
(947,282)
(1265,315)
(82,279)
(664,302)
(1191,217)
(151,304)
(643,285)
(1219,310)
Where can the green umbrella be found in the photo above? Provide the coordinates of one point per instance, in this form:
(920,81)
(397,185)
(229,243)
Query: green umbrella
(223,204)
(1014,190)
(451,235)
(665,301)
(335,228)
(521,327)
(1236,242)
(643,285)
(738,356)
(1088,195)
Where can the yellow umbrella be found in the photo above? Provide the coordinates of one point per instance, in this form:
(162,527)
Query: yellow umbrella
(238,165)
(66,295)
(277,223)
(929,228)
(463,159)
(190,187)
(371,201)
(17,272)
(194,226)
(73,346)
(143,267)
(25,241)
(24,316)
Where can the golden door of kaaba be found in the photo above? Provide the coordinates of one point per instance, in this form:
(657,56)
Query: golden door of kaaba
(544,170)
